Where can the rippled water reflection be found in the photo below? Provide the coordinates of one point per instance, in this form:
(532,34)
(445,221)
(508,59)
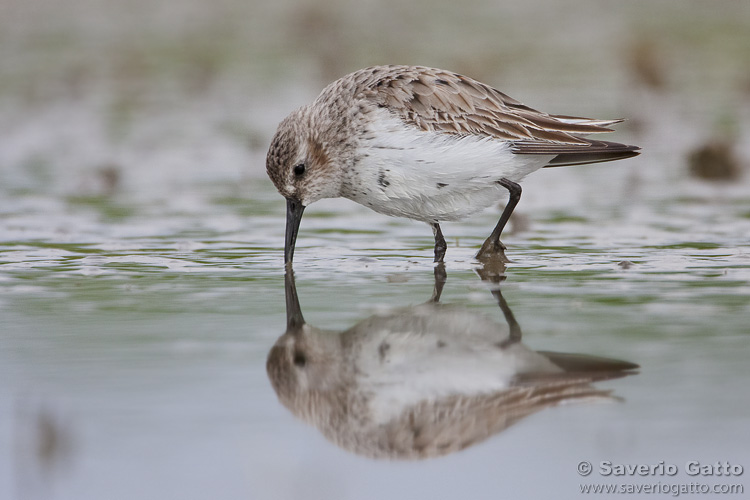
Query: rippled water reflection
(136,335)
(425,380)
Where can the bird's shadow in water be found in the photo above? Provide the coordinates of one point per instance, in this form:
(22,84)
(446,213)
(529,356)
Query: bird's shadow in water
(425,380)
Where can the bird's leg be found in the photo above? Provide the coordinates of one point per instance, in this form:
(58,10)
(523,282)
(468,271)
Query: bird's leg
(492,246)
(440,245)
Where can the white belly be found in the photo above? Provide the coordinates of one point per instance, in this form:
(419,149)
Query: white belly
(430,176)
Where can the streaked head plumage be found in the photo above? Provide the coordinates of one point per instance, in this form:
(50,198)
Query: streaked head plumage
(299,160)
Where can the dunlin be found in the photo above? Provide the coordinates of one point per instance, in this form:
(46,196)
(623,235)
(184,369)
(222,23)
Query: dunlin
(423,143)
(426,380)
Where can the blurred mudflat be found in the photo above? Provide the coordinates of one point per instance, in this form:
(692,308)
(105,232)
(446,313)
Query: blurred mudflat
(141,275)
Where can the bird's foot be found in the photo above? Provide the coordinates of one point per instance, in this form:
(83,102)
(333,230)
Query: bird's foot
(492,252)
(440,245)
(439,257)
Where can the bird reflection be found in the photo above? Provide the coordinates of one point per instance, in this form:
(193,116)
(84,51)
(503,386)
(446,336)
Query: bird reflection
(424,380)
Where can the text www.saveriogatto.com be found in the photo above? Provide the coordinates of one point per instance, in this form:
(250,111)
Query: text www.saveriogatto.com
(664,478)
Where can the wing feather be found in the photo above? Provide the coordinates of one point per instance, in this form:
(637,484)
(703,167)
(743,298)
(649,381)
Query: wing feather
(438,100)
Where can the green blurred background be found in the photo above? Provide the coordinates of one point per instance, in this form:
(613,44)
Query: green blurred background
(97,83)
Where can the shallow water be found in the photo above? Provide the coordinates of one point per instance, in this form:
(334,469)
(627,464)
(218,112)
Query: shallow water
(141,277)
(136,334)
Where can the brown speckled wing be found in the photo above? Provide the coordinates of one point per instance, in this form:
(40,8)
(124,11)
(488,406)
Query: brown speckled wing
(438,100)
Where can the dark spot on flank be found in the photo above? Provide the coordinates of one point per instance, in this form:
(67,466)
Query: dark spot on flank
(441,344)
(382,180)
(383,350)
(441,185)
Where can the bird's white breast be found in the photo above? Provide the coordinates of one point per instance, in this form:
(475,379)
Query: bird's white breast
(431,176)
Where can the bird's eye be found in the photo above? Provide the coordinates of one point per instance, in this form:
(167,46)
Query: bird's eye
(299,359)
(299,169)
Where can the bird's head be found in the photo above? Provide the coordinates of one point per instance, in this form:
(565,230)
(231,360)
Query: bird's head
(303,167)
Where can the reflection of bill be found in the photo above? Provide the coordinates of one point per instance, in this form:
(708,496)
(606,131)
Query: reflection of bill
(423,381)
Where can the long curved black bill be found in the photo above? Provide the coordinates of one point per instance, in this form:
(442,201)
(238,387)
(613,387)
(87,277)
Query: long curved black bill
(294,210)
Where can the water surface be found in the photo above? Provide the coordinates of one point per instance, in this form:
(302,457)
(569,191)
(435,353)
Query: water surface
(140,332)
(141,274)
